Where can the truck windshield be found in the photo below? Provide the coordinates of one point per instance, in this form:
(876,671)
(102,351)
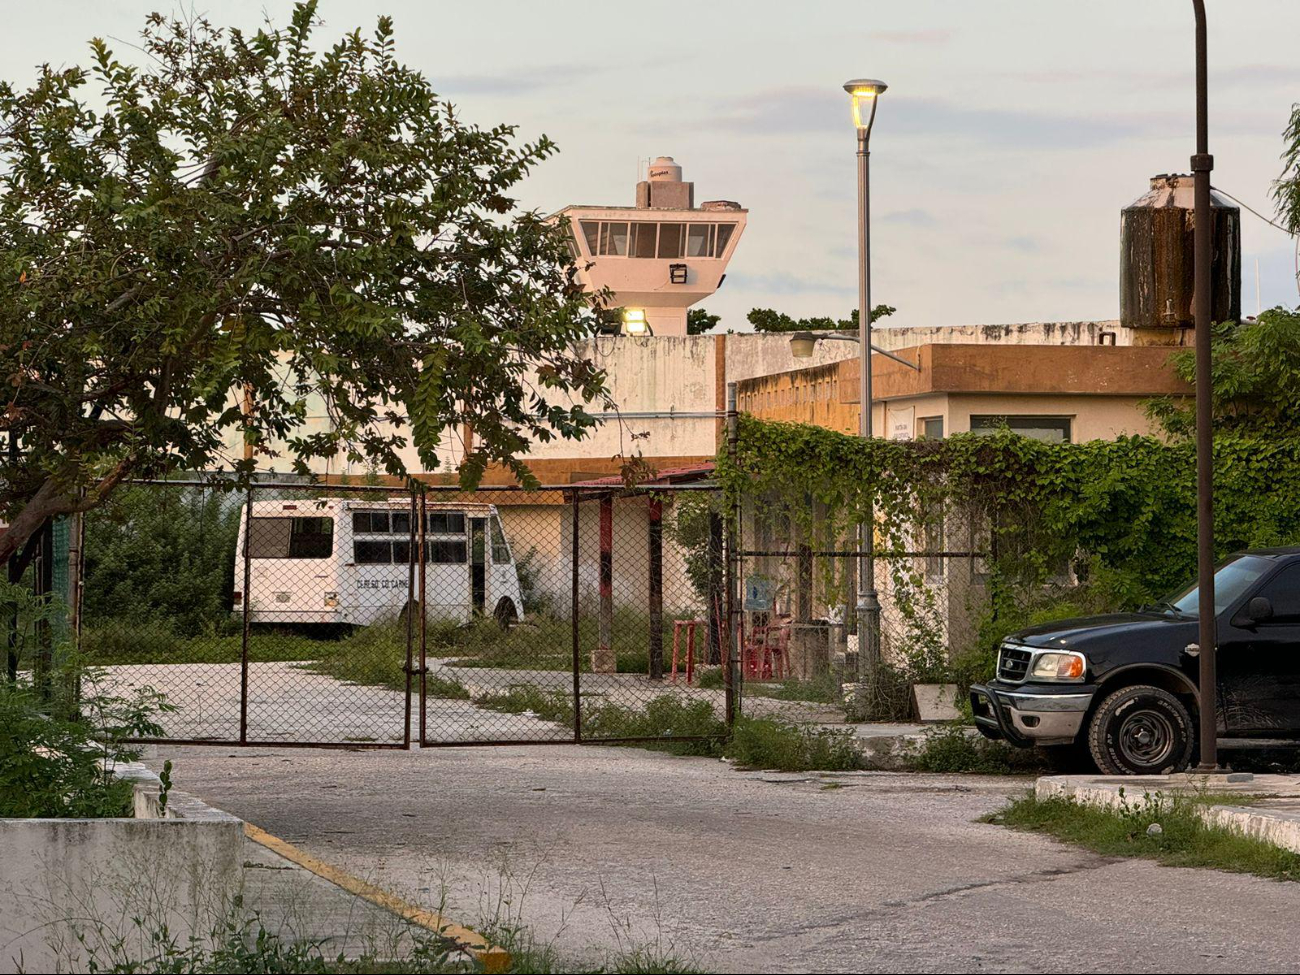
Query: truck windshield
(1232,580)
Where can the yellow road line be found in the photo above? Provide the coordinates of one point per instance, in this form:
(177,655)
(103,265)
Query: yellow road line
(490,956)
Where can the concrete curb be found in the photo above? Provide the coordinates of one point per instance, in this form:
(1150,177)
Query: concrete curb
(1270,811)
(492,957)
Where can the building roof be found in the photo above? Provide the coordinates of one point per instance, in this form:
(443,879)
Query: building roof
(671,475)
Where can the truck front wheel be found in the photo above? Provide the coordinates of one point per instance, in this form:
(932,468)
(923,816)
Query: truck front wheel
(1141,730)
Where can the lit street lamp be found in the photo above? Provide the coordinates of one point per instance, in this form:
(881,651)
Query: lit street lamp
(865,95)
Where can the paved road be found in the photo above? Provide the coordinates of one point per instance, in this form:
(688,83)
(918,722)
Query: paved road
(746,871)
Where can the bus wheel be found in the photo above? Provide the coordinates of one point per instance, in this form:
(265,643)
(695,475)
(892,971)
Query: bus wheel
(505,614)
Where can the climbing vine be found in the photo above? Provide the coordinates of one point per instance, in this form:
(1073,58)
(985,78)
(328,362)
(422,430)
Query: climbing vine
(1120,514)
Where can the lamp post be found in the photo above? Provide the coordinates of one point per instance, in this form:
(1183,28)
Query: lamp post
(1207,640)
(864,94)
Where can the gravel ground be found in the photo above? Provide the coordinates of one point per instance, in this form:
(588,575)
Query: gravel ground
(744,871)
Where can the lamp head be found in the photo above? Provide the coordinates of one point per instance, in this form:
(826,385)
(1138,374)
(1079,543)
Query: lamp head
(802,345)
(864,92)
(634,322)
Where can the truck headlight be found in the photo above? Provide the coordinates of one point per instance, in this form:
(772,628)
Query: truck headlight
(1061,665)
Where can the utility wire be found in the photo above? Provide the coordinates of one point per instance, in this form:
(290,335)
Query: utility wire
(1272,223)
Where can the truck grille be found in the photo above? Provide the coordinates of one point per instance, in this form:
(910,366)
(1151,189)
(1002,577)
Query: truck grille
(1013,663)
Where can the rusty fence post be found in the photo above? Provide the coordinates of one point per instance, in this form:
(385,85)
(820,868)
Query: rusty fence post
(656,559)
(574,552)
(411,555)
(247,606)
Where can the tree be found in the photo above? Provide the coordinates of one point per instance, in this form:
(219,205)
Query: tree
(1286,191)
(699,321)
(767,320)
(245,212)
(1255,367)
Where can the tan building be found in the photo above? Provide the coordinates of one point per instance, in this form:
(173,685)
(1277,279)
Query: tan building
(1054,393)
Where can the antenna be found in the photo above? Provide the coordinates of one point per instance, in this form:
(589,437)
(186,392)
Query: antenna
(1258,307)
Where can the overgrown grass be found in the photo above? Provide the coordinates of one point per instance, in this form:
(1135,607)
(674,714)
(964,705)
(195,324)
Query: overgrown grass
(818,690)
(954,748)
(768,744)
(250,948)
(154,643)
(1182,840)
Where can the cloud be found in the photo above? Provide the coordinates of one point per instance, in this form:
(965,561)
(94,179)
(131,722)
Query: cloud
(523,81)
(1024,244)
(784,283)
(785,112)
(915,217)
(935,36)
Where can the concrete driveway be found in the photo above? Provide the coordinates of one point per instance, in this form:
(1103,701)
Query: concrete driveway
(744,871)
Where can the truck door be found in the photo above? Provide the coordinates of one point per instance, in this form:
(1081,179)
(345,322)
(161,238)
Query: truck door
(1259,664)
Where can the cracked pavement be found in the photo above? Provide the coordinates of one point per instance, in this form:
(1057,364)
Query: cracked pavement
(743,871)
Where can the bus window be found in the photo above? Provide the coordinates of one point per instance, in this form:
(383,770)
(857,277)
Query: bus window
(290,538)
(370,522)
(367,552)
(445,522)
(448,551)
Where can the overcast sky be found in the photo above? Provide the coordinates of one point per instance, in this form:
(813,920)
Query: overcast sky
(1012,134)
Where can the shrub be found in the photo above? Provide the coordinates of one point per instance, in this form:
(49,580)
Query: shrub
(953,748)
(769,744)
(55,762)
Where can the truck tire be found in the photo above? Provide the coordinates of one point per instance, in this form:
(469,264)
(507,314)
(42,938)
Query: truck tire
(1141,730)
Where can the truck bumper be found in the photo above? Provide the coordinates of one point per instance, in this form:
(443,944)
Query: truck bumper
(1026,717)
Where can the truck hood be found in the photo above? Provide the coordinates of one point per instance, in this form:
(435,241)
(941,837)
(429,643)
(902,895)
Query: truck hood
(1077,633)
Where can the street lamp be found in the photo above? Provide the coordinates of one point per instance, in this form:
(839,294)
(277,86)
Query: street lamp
(802,345)
(635,323)
(865,95)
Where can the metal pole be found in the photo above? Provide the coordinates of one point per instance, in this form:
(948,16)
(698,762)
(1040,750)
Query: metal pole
(410,612)
(656,593)
(246,619)
(574,553)
(734,616)
(868,600)
(1202,164)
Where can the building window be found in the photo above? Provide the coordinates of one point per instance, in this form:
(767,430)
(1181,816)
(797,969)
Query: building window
(724,238)
(699,240)
(1049,429)
(670,239)
(644,236)
(932,427)
(645,239)
(613,239)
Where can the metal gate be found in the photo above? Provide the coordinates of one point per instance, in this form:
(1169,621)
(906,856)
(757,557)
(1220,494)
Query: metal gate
(368,616)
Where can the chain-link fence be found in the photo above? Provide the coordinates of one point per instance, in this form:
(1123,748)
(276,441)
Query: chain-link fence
(372,616)
(801,633)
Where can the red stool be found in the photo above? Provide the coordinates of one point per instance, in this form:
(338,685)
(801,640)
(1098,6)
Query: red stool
(690,626)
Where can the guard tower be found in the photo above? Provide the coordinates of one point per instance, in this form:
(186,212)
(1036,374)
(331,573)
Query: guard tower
(659,257)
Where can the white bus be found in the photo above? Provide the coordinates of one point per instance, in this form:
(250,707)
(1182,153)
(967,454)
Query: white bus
(345,561)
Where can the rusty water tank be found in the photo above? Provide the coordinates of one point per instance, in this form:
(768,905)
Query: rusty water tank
(1157,256)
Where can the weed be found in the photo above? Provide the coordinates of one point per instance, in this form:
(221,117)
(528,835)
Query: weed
(769,744)
(953,748)
(1184,839)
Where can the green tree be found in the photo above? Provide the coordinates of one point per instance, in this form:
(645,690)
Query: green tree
(249,211)
(699,321)
(162,555)
(1255,369)
(1286,191)
(767,320)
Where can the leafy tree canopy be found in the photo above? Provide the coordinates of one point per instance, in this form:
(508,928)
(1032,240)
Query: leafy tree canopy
(699,321)
(767,320)
(1255,369)
(254,211)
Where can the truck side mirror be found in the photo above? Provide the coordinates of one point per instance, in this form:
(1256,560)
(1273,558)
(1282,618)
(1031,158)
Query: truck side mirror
(1259,609)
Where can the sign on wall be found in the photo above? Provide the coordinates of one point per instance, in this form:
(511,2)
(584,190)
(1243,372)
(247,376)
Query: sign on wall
(900,422)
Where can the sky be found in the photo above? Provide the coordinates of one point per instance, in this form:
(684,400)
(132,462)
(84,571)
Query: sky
(1012,134)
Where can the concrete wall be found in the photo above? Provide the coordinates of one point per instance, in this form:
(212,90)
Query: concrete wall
(61,879)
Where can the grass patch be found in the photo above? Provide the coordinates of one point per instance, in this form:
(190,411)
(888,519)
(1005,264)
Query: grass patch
(952,748)
(155,643)
(768,744)
(1183,839)
(819,690)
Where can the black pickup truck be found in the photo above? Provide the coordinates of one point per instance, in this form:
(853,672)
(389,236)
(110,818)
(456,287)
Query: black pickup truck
(1125,685)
